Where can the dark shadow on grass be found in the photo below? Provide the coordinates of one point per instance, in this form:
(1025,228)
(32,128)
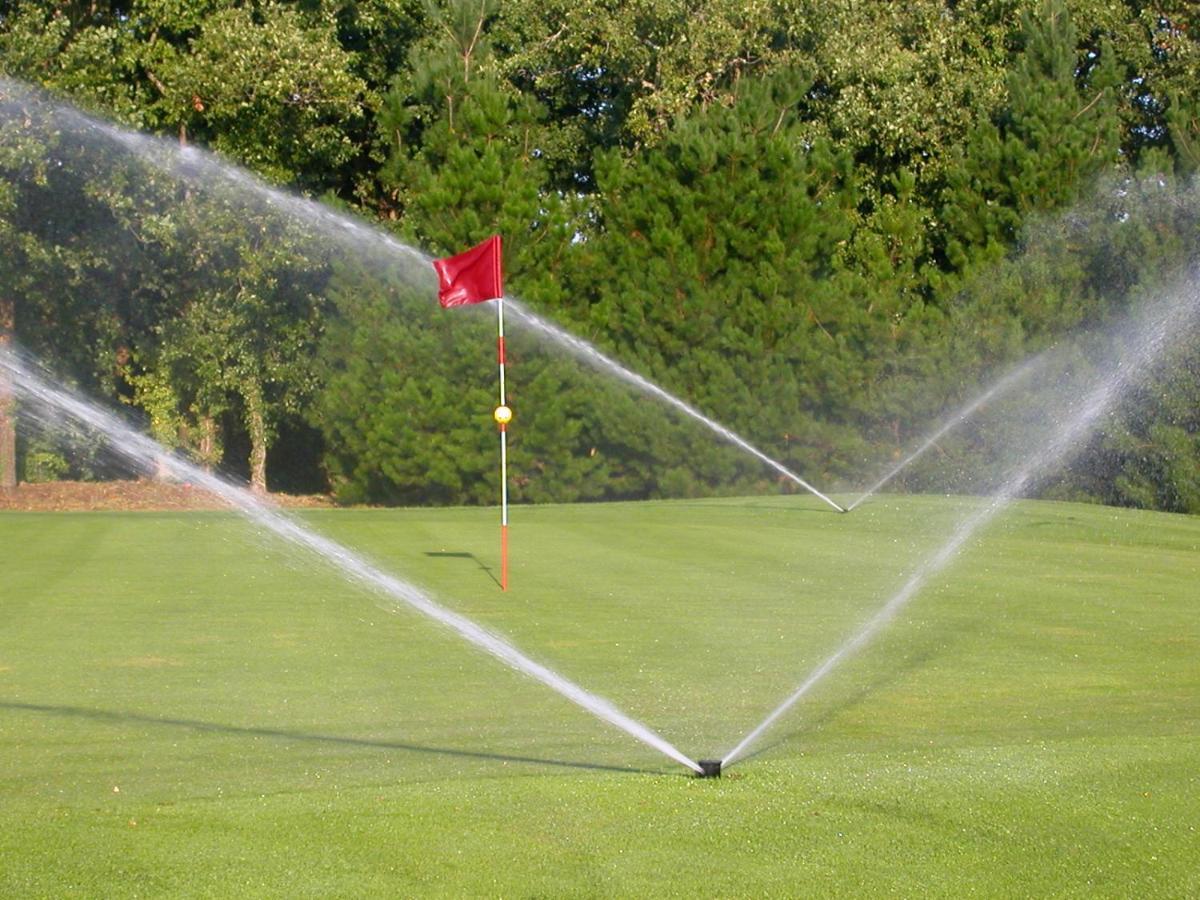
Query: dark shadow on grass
(446,554)
(119,718)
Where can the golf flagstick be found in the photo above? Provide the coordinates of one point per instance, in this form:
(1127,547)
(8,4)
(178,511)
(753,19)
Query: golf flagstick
(477,276)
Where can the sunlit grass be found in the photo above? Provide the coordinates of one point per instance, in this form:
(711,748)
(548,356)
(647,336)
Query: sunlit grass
(186,708)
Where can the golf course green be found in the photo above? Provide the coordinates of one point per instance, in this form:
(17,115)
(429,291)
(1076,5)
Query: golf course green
(188,708)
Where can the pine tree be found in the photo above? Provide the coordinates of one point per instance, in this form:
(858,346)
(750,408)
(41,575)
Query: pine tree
(716,267)
(467,167)
(1059,128)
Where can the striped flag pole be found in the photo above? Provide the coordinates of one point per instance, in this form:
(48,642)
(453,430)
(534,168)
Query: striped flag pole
(477,276)
(503,415)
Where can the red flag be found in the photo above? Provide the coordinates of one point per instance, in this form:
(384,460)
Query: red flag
(471,277)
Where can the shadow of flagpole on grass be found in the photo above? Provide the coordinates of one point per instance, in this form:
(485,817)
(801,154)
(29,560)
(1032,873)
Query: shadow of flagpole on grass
(458,554)
(113,717)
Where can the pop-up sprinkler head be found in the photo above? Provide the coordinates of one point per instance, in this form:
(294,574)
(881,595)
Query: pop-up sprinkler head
(709,768)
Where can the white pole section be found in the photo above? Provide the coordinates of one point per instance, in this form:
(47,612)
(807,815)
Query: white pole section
(503,423)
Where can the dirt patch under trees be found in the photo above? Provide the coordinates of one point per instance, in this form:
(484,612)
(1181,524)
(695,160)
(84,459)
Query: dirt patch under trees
(143,494)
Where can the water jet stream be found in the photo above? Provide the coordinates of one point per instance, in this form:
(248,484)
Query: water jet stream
(358,238)
(585,351)
(148,455)
(1141,350)
(1013,378)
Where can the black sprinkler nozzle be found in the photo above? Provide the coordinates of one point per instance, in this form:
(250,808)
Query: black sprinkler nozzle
(709,768)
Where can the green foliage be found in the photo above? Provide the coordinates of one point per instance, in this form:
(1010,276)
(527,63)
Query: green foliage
(464,163)
(1159,467)
(824,227)
(57,270)
(394,406)
(716,266)
(1058,129)
(271,90)
(617,74)
(43,465)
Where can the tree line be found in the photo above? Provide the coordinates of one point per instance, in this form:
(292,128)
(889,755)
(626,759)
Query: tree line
(822,223)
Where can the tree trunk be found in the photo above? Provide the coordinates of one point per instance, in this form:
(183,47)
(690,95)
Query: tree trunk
(8,423)
(209,443)
(256,425)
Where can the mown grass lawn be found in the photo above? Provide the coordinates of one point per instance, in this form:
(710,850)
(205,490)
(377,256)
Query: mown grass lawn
(186,708)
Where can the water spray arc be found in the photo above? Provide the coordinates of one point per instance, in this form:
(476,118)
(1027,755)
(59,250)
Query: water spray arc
(998,389)
(589,354)
(1171,324)
(143,452)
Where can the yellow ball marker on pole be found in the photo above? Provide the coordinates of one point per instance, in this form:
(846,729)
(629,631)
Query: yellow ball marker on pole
(502,415)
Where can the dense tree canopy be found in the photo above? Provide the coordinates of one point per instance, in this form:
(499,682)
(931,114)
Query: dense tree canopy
(821,221)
